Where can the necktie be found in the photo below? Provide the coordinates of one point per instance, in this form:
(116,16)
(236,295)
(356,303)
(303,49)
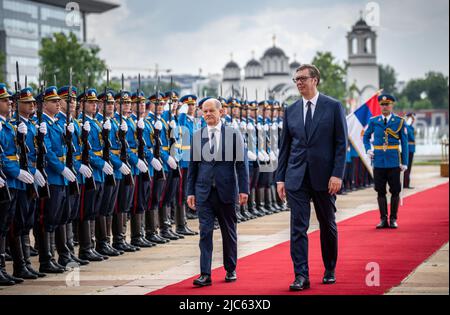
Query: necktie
(385,121)
(212,144)
(308,120)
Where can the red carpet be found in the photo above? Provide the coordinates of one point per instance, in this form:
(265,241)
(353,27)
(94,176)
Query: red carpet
(424,228)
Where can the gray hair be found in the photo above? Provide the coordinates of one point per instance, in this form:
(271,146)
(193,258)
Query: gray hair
(216,102)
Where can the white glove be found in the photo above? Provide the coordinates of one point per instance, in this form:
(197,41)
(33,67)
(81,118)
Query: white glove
(251,156)
(371,154)
(107,169)
(156,165)
(25,177)
(243,125)
(87,126)
(42,128)
(259,127)
(172,163)
(124,169)
(273,157)
(158,125)
(2,181)
(69,175)
(404,168)
(141,124)
(183,109)
(235,124)
(250,127)
(107,125)
(85,171)
(142,166)
(173,124)
(261,157)
(266,127)
(280,125)
(266,156)
(71,128)
(39,179)
(124,126)
(22,128)
(274,126)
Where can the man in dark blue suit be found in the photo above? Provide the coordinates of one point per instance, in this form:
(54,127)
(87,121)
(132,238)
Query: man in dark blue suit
(311,167)
(217,180)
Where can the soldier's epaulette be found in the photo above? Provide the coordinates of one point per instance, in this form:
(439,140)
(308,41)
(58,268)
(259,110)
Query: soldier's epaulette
(374,118)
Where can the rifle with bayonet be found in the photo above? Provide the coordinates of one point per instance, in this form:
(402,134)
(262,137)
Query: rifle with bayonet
(129,180)
(157,150)
(41,150)
(106,155)
(22,147)
(74,189)
(172,141)
(139,134)
(89,183)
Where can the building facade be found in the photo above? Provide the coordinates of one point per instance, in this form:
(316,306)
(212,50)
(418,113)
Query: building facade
(24,23)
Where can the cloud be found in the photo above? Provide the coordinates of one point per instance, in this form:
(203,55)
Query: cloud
(187,35)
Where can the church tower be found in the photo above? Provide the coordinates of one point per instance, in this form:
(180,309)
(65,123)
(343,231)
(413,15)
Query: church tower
(363,70)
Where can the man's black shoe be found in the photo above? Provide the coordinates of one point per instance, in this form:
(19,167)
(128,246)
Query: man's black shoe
(203,281)
(231,276)
(300,283)
(383,224)
(393,224)
(329,277)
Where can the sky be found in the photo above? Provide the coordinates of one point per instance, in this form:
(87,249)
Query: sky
(188,35)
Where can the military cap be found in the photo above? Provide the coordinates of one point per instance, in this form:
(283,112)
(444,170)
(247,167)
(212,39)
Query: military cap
(51,94)
(4,92)
(202,101)
(109,96)
(155,97)
(189,99)
(126,96)
(135,98)
(26,95)
(64,91)
(172,93)
(386,99)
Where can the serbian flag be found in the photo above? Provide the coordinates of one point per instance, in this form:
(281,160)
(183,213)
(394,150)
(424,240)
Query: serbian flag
(357,123)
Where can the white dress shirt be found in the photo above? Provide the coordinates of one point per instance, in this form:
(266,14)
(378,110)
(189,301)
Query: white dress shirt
(217,134)
(313,106)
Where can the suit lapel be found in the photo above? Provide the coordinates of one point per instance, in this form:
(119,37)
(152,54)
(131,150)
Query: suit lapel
(318,113)
(298,110)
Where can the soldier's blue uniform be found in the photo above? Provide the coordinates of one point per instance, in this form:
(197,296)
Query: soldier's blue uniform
(412,148)
(389,136)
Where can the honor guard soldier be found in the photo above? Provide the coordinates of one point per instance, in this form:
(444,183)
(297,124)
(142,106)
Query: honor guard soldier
(273,154)
(126,190)
(24,217)
(15,178)
(186,131)
(390,134)
(72,199)
(111,153)
(410,119)
(252,153)
(53,209)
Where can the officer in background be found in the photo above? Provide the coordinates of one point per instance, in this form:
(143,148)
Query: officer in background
(410,119)
(390,134)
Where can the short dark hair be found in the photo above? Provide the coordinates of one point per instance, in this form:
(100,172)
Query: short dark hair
(314,72)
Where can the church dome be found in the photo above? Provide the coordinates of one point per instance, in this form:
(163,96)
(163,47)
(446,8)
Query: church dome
(274,52)
(254,63)
(232,65)
(295,65)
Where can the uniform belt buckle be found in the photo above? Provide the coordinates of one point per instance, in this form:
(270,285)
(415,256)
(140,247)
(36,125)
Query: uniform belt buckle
(385,147)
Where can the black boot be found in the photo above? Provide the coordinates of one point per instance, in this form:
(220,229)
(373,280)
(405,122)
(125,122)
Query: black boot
(85,251)
(46,264)
(64,257)
(382,204)
(5,279)
(19,265)
(69,237)
(53,249)
(125,222)
(273,193)
(76,229)
(118,234)
(251,205)
(181,222)
(26,245)
(92,225)
(395,202)
(260,202)
(102,239)
(109,220)
(136,230)
(269,201)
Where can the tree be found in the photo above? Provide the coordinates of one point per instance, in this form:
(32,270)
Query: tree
(332,75)
(60,52)
(414,89)
(437,89)
(2,66)
(388,78)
